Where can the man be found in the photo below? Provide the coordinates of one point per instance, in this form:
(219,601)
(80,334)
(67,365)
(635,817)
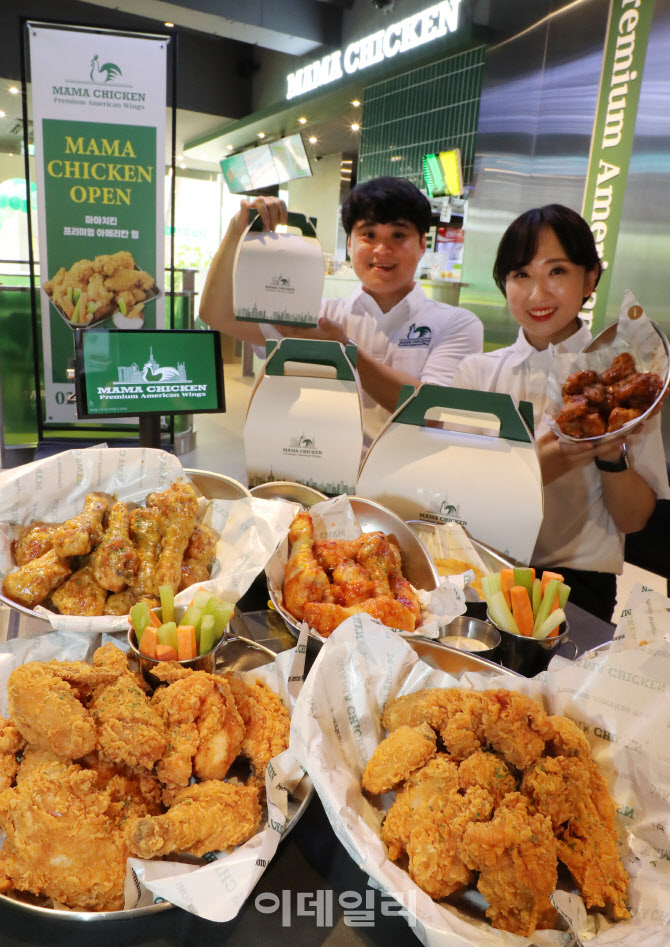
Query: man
(403,337)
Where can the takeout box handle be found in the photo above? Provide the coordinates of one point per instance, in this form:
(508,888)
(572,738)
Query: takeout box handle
(312,352)
(516,422)
(306,225)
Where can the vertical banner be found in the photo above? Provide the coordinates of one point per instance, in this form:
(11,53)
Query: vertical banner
(99,107)
(612,140)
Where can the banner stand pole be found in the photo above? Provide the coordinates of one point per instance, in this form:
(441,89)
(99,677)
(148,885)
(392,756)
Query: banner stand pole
(150,430)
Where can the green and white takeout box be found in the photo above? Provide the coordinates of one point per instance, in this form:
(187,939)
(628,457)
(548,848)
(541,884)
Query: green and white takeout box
(304,421)
(279,277)
(451,455)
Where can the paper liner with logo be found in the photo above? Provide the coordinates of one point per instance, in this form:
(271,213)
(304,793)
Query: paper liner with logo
(620,701)
(634,332)
(304,420)
(279,277)
(478,468)
(451,541)
(218,889)
(54,490)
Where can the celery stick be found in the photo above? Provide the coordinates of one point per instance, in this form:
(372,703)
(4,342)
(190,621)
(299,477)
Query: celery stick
(553,621)
(222,614)
(201,598)
(74,318)
(166,593)
(537,596)
(208,636)
(167,634)
(547,602)
(563,594)
(70,293)
(140,617)
(191,616)
(524,577)
(76,293)
(491,584)
(123,309)
(500,614)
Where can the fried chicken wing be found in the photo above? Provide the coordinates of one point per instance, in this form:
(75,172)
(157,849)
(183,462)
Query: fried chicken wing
(199,556)
(554,785)
(515,853)
(568,739)
(304,579)
(33,582)
(177,507)
(80,594)
(146,535)
(488,770)
(431,705)
(324,617)
(33,541)
(11,743)
(206,817)
(516,726)
(420,796)
(266,724)
(77,536)
(115,561)
(397,757)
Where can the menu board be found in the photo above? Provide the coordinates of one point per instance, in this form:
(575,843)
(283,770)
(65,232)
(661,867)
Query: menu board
(261,167)
(235,174)
(291,158)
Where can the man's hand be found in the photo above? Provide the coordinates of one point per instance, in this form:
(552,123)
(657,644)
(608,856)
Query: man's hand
(330,331)
(271,210)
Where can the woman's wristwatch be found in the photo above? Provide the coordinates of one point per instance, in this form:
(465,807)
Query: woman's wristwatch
(613,466)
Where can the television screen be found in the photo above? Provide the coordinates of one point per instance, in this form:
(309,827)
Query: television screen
(443,173)
(129,373)
(235,174)
(260,166)
(291,158)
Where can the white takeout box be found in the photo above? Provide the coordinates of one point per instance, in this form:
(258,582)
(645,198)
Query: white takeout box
(302,424)
(479,467)
(279,277)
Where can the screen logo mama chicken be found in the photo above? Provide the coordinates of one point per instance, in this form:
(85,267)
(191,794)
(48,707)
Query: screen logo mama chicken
(152,380)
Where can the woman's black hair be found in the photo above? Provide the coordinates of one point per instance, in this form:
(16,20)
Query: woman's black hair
(519,242)
(384,200)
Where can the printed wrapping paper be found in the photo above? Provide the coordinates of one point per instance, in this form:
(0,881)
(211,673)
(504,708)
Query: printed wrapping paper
(55,489)
(215,891)
(620,700)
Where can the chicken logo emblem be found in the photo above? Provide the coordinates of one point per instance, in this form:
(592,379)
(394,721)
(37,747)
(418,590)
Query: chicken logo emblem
(104,73)
(417,335)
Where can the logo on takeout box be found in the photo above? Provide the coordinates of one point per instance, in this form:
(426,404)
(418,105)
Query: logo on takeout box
(304,445)
(442,511)
(280,284)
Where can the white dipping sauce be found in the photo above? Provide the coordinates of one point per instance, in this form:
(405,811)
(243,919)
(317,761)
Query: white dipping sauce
(463,643)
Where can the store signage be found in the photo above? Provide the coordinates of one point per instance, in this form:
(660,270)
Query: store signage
(99,119)
(407,34)
(612,140)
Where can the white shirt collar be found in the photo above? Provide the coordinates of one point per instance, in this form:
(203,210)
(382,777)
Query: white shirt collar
(523,350)
(408,305)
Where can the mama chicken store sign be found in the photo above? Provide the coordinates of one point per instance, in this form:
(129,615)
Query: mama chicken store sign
(99,105)
(413,31)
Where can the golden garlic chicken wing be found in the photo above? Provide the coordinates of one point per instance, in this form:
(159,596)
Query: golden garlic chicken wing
(115,561)
(397,757)
(199,556)
(177,508)
(33,582)
(515,854)
(80,594)
(304,579)
(77,536)
(33,541)
(146,535)
(205,817)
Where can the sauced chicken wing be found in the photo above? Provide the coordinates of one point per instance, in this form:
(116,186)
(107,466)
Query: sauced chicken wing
(622,366)
(351,583)
(115,561)
(33,541)
(146,534)
(208,816)
(304,579)
(329,553)
(33,582)
(77,536)
(177,507)
(199,556)
(80,594)
(397,757)
(379,558)
(324,617)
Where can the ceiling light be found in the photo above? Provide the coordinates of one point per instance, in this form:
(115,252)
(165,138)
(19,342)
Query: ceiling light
(355,127)
(261,135)
(229,147)
(168,24)
(313,140)
(13,90)
(3,114)
(180,157)
(302,120)
(355,103)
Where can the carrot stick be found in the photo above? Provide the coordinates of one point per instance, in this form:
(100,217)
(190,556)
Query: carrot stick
(522,610)
(149,642)
(507,579)
(155,620)
(186,646)
(165,652)
(546,579)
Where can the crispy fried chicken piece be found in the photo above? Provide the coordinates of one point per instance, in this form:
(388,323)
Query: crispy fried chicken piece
(435,864)
(199,556)
(554,785)
(115,561)
(397,757)
(129,730)
(11,743)
(431,705)
(304,579)
(146,534)
(78,536)
(622,366)
(134,791)
(33,541)
(456,713)
(516,726)
(421,794)
(33,582)
(206,817)
(515,854)
(80,594)
(329,553)
(568,739)
(488,770)
(324,617)
(63,838)
(205,729)
(45,704)
(178,508)
(578,381)
(266,724)
(351,583)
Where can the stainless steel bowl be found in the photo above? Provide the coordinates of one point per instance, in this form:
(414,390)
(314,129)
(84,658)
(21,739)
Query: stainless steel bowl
(216,486)
(471,634)
(287,490)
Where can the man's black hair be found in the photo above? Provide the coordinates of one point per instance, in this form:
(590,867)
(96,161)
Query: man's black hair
(518,244)
(385,200)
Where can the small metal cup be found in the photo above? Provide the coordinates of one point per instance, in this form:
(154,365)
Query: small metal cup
(529,656)
(471,634)
(203,662)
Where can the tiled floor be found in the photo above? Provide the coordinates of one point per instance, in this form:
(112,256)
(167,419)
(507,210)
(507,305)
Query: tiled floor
(220,447)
